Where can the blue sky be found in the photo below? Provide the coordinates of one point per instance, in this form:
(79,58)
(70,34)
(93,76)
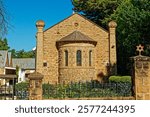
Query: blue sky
(24,14)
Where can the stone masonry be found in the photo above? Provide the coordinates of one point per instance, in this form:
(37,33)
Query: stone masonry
(50,54)
(142,78)
(35,86)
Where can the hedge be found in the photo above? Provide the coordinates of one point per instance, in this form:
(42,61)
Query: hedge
(23,86)
(122,79)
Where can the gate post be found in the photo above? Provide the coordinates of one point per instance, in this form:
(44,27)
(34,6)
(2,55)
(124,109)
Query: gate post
(141,76)
(35,86)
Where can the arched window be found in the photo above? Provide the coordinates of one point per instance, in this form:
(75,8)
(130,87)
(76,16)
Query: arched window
(66,58)
(79,58)
(90,58)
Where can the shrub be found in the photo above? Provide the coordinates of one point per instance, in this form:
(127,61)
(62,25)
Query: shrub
(21,90)
(121,79)
(23,86)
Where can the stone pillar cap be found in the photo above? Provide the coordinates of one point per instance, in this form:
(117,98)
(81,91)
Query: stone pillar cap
(40,23)
(112,24)
(36,76)
(141,58)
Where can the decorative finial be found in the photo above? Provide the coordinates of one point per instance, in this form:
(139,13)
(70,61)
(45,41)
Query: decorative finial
(40,23)
(112,24)
(140,49)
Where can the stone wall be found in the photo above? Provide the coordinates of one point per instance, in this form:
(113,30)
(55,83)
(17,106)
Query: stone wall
(72,72)
(141,78)
(35,86)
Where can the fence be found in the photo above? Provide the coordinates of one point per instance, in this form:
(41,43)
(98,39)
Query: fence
(21,91)
(73,90)
(22,95)
(6,92)
(86,90)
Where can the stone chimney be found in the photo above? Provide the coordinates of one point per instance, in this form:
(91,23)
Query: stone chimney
(112,47)
(39,45)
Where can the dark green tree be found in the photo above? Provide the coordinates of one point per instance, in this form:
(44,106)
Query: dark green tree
(22,54)
(13,53)
(96,10)
(132,17)
(4,44)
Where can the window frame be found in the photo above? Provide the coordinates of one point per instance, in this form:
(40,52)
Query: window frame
(66,57)
(79,58)
(90,58)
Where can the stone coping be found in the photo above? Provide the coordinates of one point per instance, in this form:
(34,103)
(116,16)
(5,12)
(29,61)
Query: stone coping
(36,76)
(140,58)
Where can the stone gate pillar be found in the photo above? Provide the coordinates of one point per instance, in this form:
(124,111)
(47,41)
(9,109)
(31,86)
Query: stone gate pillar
(35,86)
(141,76)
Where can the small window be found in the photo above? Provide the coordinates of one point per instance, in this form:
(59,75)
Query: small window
(90,58)
(45,64)
(79,58)
(66,58)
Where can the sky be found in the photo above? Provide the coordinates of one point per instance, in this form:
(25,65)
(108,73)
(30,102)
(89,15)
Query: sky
(23,15)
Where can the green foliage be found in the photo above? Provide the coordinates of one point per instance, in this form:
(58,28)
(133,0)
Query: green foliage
(133,28)
(21,90)
(120,79)
(133,19)
(4,44)
(16,54)
(48,89)
(78,90)
(23,86)
(17,71)
(22,54)
(96,10)
(88,89)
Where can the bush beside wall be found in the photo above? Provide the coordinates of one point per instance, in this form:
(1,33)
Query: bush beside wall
(122,79)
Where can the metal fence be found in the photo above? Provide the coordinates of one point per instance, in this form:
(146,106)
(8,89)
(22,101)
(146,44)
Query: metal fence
(72,90)
(22,95)
(8,93)
(86,90)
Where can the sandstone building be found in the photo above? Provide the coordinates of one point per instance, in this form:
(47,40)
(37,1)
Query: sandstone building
(75,49)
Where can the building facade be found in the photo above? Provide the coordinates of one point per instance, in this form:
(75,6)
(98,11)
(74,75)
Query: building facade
(75,49)
(24,67)
(5,65)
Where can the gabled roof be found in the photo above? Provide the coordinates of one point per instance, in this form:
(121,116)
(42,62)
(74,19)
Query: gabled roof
(3,58)
(80,16)
(76,36)
(24,63)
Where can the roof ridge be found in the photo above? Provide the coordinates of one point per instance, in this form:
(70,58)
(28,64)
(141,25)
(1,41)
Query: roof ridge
(80,16)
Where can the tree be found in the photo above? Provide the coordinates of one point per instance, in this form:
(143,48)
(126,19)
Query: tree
(22,54)
(132,17)
(96,10)
(4,44)
(3,19)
